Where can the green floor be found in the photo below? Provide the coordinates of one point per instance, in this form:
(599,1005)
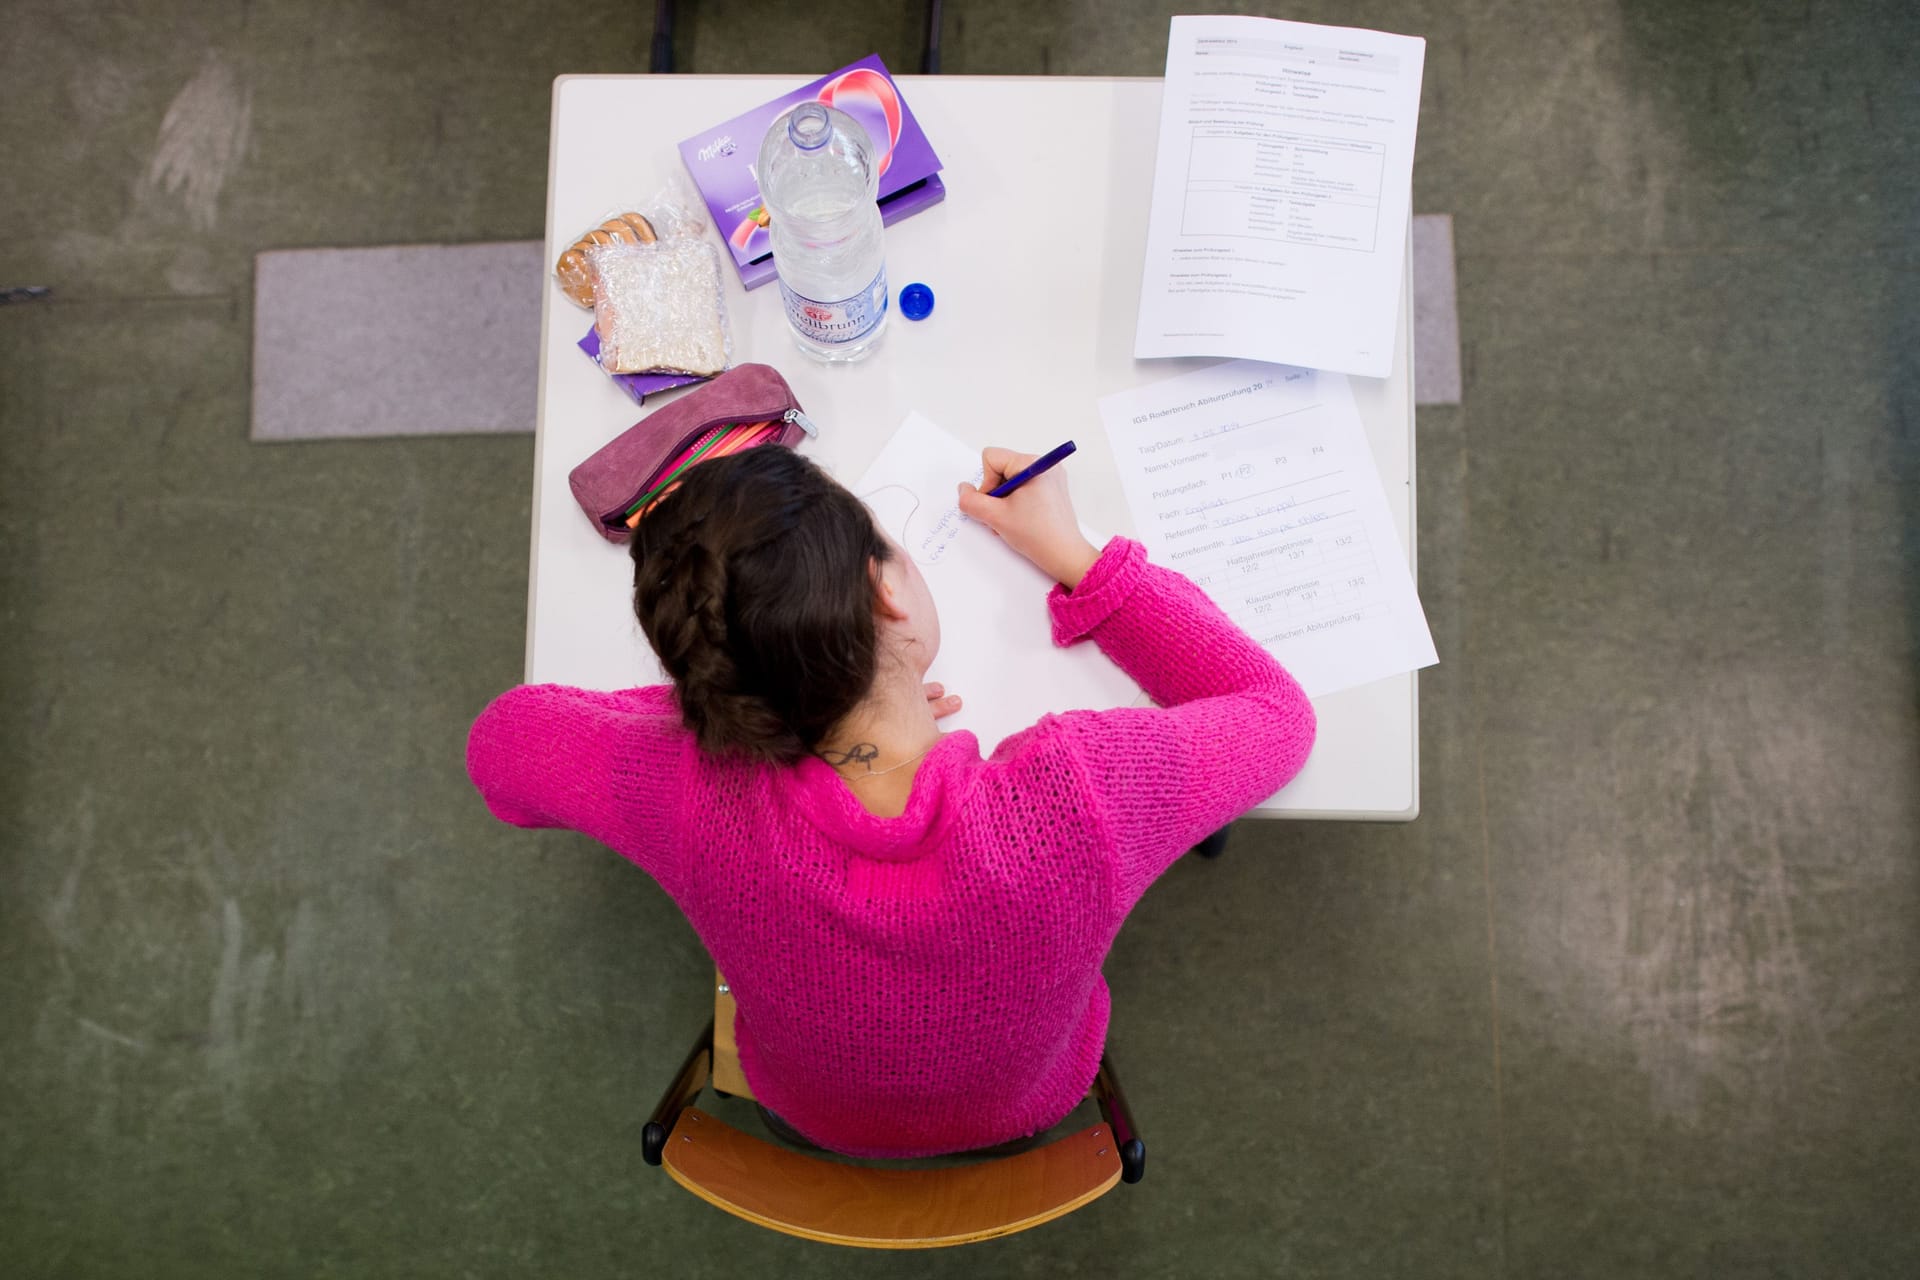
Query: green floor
(1636,996)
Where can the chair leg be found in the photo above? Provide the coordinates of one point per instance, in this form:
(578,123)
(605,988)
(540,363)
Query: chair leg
(662,59)
(930,53)
(1119,1118)
(1214,845)
(685,1088)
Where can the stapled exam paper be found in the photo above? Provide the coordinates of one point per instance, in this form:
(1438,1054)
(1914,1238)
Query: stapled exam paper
(1281,193)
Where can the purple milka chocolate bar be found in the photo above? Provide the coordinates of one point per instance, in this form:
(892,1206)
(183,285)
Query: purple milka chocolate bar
(637,385)
(721,159)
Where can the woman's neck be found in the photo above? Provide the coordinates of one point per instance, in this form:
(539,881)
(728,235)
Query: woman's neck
(878,748)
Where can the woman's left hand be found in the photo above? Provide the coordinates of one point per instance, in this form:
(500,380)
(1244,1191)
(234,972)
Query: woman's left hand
(943,703)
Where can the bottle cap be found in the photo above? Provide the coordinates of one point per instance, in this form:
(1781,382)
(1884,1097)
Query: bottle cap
(916,302)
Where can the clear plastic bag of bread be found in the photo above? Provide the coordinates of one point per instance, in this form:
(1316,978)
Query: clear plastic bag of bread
(654,284)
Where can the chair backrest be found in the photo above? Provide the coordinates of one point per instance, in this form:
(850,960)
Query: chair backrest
(886,1208)
(820,1198)
(728,1078)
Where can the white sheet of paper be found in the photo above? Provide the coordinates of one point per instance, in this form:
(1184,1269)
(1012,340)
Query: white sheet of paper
(996,640)
(1281,192)
(1256,481)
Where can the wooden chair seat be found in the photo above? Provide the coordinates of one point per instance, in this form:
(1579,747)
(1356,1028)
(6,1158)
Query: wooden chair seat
(820,1198)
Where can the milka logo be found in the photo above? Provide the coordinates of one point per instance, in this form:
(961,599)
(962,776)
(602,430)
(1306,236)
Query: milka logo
(720,146)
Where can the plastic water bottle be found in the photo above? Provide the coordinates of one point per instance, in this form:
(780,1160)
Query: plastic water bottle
(818,174)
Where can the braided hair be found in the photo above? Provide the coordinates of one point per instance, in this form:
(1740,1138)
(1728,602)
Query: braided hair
(752,583)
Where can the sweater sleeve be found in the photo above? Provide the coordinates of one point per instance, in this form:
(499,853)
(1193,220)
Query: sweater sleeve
(1231,729)
(609,765)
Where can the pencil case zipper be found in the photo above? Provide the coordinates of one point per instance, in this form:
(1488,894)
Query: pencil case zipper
(790,414)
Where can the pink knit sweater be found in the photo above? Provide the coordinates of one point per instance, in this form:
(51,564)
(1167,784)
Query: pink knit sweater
(928,983)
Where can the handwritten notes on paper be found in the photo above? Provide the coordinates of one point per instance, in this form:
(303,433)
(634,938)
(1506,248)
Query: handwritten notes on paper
(996,640)
(923,526)
(1255,480)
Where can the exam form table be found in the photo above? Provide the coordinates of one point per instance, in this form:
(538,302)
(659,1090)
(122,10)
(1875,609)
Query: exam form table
(1035,260)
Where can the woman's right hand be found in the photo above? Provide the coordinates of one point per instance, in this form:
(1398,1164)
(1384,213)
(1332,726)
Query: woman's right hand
(1036,519)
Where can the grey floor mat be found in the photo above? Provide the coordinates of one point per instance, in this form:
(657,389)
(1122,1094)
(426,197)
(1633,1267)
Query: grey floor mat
(1436,312)
(402,340)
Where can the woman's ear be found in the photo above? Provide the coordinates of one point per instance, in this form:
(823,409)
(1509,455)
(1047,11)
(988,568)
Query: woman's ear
(888,600)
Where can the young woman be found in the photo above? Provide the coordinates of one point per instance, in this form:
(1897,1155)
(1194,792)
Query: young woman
(913,934)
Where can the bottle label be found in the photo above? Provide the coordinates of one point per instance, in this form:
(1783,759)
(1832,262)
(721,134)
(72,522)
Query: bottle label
(847,320)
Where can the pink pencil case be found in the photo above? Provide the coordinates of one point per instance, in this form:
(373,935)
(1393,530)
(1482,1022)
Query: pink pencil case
(620,473)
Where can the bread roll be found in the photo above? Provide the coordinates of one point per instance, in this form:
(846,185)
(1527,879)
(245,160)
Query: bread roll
(573,269)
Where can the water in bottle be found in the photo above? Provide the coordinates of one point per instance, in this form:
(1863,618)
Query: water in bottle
(818,173)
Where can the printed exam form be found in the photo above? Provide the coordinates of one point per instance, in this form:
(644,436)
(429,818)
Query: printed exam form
(1257,483)
(1281,194)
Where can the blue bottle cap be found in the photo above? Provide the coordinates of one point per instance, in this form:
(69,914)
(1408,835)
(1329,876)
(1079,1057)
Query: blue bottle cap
(916,302)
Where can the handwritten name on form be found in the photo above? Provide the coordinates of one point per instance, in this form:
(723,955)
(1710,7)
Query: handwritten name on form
(1256,481)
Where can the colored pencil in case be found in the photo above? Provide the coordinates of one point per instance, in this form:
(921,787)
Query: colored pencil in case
(733,442)
(757,433)
(739,437)
(633,521)
(666,475)
(751,434)
(693,446)
(701,448)
(730,439)
(667,471)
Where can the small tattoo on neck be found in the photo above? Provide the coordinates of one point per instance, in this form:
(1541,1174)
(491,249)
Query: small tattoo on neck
(859,753)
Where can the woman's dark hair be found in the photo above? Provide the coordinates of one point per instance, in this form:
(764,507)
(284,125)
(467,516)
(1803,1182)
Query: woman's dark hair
(752,583)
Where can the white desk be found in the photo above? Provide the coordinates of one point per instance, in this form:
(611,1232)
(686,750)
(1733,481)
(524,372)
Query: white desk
(1035,261)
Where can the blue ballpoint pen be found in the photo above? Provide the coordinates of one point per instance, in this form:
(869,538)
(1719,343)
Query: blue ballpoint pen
(1019,478)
